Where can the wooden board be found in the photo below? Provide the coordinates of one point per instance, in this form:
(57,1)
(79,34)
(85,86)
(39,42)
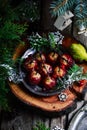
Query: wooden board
(52,103)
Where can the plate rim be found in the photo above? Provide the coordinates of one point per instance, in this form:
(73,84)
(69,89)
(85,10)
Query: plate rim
(77,118)
(43,93)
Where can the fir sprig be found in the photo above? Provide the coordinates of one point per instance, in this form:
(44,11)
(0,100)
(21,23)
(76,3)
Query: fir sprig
(81,13)
(10,32)
(42,43)
(6,60)
(52,41)
(61,6)
(38,43)
(3,89)
(40,126)
(79,8)
(10,36)
(28,10)
(74,74)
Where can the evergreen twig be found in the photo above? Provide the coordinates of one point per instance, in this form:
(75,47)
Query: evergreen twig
(79,8)
(60,7)
(40,126)
(28,10)
(40,43)
(10,35)
(80,12)
(74,74)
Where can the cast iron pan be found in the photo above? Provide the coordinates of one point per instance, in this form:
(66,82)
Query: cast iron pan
(35,89)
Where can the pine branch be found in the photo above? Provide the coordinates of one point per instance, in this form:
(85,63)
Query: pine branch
(10,32)
(9,71)
(6,59)
(3,89)
(42,43)
(75,73)
(28,10)
(40,126)
(79,7)
(10,35)
(60,7)
(81,13)
(80,22)
(37,42)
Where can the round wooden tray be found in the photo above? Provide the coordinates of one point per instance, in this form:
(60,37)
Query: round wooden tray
(52,103)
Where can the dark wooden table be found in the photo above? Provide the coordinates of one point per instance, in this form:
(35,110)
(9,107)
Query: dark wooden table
(25,117)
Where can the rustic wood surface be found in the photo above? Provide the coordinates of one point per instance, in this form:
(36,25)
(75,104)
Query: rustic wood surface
(24,116)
